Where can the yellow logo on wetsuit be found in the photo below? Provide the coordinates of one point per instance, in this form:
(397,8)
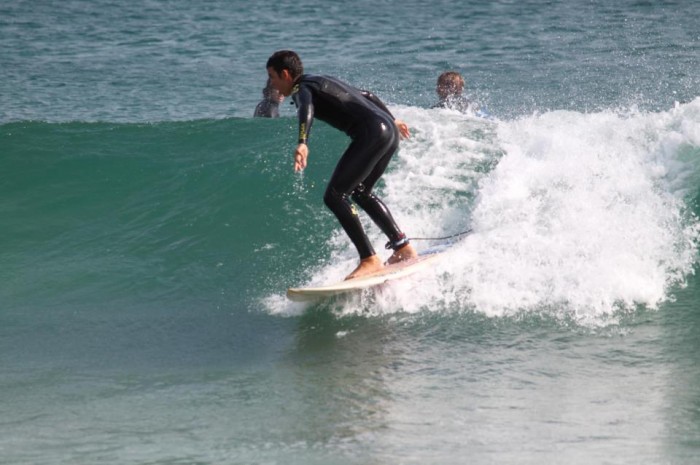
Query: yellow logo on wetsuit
(295,89)
(353,208)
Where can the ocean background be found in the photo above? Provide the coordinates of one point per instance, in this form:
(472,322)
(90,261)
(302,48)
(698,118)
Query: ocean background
(149,227)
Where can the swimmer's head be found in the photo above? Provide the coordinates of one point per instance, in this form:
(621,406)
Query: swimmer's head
(449,84)
(283,68)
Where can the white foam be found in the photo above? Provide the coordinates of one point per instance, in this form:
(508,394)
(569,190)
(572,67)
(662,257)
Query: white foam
(582,213)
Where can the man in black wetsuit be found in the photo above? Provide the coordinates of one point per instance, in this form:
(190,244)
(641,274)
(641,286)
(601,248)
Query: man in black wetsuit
(375,137)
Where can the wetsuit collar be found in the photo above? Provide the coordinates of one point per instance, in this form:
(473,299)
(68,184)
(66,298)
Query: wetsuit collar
(295,84)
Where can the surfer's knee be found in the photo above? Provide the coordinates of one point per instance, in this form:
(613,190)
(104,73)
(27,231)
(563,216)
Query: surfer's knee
(333,199)
(361,195)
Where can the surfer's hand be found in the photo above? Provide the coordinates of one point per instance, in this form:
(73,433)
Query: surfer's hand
(403,129)
(300,155)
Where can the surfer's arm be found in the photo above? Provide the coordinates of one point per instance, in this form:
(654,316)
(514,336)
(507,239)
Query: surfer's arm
(403,127)
(305,112)
(305,104)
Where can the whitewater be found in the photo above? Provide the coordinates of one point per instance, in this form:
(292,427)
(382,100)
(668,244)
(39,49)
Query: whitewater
(578,214)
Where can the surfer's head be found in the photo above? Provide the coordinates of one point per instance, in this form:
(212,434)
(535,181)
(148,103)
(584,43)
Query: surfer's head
(449,84)
(283,68)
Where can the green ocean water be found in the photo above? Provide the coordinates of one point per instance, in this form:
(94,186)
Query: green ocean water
(150,228)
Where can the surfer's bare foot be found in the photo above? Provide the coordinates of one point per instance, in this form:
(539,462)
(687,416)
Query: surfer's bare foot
(367,266)
(406,252)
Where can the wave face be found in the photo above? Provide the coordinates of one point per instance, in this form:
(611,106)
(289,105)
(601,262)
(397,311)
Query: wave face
(583,212)
(124,213)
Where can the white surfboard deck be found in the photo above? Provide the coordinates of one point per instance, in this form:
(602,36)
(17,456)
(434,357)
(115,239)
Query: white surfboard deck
(388,273)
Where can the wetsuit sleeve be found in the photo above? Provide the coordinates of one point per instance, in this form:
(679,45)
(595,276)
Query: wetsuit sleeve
(374,99)
(305,105)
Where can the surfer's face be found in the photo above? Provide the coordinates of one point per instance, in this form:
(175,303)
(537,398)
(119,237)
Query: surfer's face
(448,89)
(283,81)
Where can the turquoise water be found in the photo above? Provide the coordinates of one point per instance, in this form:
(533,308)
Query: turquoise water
(150,227)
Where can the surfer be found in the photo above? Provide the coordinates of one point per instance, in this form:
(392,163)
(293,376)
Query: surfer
(374,134)
(269,106)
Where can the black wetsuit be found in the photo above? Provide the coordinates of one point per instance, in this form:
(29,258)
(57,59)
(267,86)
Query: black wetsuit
(375,138)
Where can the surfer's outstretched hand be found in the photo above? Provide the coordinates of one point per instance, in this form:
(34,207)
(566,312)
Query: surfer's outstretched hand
(300,156)
(403,129)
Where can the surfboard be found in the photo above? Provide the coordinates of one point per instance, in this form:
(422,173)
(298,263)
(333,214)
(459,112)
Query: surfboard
(388,273)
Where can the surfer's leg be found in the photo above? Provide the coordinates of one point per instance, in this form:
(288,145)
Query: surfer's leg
(346,176)
(346,213)
(339,203)
(358,164)
(380,214)
(362,164)
(378,160)
(375,207)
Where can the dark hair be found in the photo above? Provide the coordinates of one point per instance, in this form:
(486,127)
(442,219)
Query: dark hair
(452,81)
(286,59)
